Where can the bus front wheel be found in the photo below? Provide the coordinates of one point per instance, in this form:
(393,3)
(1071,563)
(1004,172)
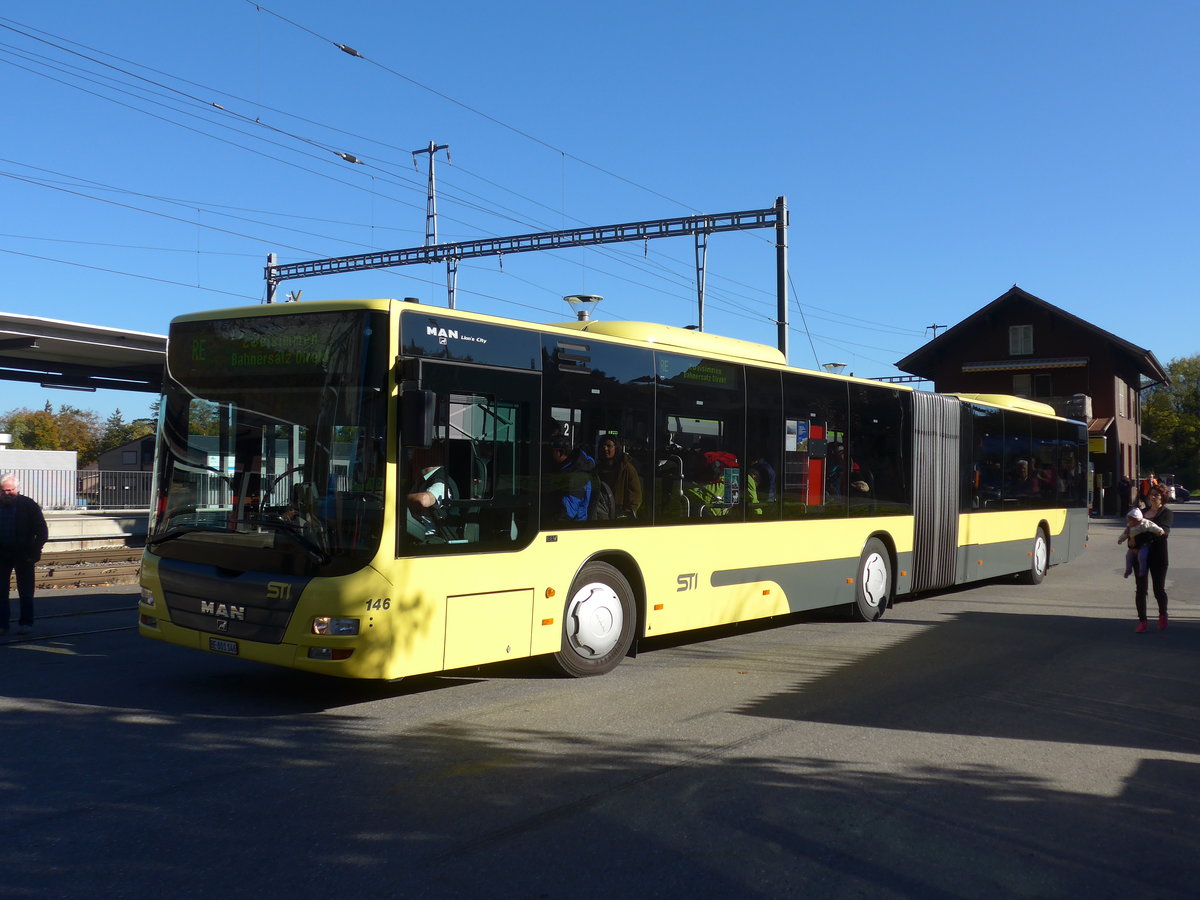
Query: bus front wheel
(873,586)
(598,622)
(1039,558)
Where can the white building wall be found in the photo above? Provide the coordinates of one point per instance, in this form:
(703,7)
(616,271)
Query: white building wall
(48,476)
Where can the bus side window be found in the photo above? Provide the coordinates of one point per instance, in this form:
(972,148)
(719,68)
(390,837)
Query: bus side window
(672,503)
(816,418)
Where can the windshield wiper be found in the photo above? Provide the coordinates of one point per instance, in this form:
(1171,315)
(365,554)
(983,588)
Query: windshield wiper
(178,531)
(312,547)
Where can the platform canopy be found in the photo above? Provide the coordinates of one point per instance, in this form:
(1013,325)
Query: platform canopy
(60,354)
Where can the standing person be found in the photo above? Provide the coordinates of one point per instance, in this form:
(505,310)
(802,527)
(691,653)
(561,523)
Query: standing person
(615,468)
(1144,488)
(23,532)
(1125,488)
(1156,559)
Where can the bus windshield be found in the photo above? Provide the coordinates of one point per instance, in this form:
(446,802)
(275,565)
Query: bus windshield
(272,443)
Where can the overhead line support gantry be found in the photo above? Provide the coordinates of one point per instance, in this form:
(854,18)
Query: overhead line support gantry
(700,226)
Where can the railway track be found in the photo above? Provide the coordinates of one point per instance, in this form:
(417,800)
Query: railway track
(88,568)
(70,615)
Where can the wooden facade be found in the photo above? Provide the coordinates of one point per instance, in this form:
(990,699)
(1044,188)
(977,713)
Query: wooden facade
(1020,344)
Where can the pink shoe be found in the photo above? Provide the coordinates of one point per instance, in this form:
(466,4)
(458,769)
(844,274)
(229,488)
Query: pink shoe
(1141,627)
(1162,623)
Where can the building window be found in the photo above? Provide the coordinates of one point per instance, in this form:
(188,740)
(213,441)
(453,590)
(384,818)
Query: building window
(1020,340)
(129,457)
(1032,386)
(1122,400)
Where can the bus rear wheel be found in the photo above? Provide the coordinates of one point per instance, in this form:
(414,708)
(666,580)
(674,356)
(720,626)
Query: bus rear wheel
(1039,558)
(598,622)
(873,586)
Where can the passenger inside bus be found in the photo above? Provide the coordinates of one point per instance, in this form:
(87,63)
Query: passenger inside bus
(1047,474)
(616,469)
(301,508)
(1022,482)
(760,487)
(430,493)
(846,477)
(569,475)
(714,484)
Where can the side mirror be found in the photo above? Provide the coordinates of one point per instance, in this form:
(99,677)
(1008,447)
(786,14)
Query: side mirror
(418,412)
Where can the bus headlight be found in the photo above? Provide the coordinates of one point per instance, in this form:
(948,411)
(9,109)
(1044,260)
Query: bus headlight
(147,597)
(331,627)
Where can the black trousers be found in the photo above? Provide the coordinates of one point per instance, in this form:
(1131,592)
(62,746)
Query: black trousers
(1157,565)
(25,581)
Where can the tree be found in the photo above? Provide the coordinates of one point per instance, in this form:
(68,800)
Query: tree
(70,428)
(32,429)
(204,418)
(118,432)
(1171,421)
(79,430)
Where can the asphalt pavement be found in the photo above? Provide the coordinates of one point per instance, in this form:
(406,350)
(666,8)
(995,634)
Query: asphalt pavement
(997,741)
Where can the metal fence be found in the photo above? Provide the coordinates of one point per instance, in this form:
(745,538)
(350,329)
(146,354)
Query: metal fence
(85,488)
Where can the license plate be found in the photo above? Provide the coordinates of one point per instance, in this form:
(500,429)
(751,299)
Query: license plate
(221,646)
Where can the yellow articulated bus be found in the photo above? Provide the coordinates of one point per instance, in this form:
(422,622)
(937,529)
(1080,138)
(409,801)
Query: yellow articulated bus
(377,489)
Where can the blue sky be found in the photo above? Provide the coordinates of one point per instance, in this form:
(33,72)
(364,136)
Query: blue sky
(932,155)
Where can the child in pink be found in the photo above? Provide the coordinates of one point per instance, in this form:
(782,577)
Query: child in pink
(1139,547)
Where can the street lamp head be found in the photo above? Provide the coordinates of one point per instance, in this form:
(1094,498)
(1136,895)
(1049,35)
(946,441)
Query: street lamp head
(582,304)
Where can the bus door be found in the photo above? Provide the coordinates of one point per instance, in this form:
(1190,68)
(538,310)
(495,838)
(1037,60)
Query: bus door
(468,485)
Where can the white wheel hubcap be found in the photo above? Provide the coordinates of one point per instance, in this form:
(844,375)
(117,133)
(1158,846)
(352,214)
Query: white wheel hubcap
(594,620)
(874,580)
(1039,555)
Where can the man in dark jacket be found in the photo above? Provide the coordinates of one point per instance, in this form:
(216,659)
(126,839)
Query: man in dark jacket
(22,533)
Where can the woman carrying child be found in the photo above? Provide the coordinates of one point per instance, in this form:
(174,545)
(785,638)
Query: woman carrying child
(1138,553)
(1156,557)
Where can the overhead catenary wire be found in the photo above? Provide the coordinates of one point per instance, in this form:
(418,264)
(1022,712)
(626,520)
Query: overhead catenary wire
(324,125)
(251,150)
(30,237)
(194,99)
(356,54)
(670,272)
(68,262)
